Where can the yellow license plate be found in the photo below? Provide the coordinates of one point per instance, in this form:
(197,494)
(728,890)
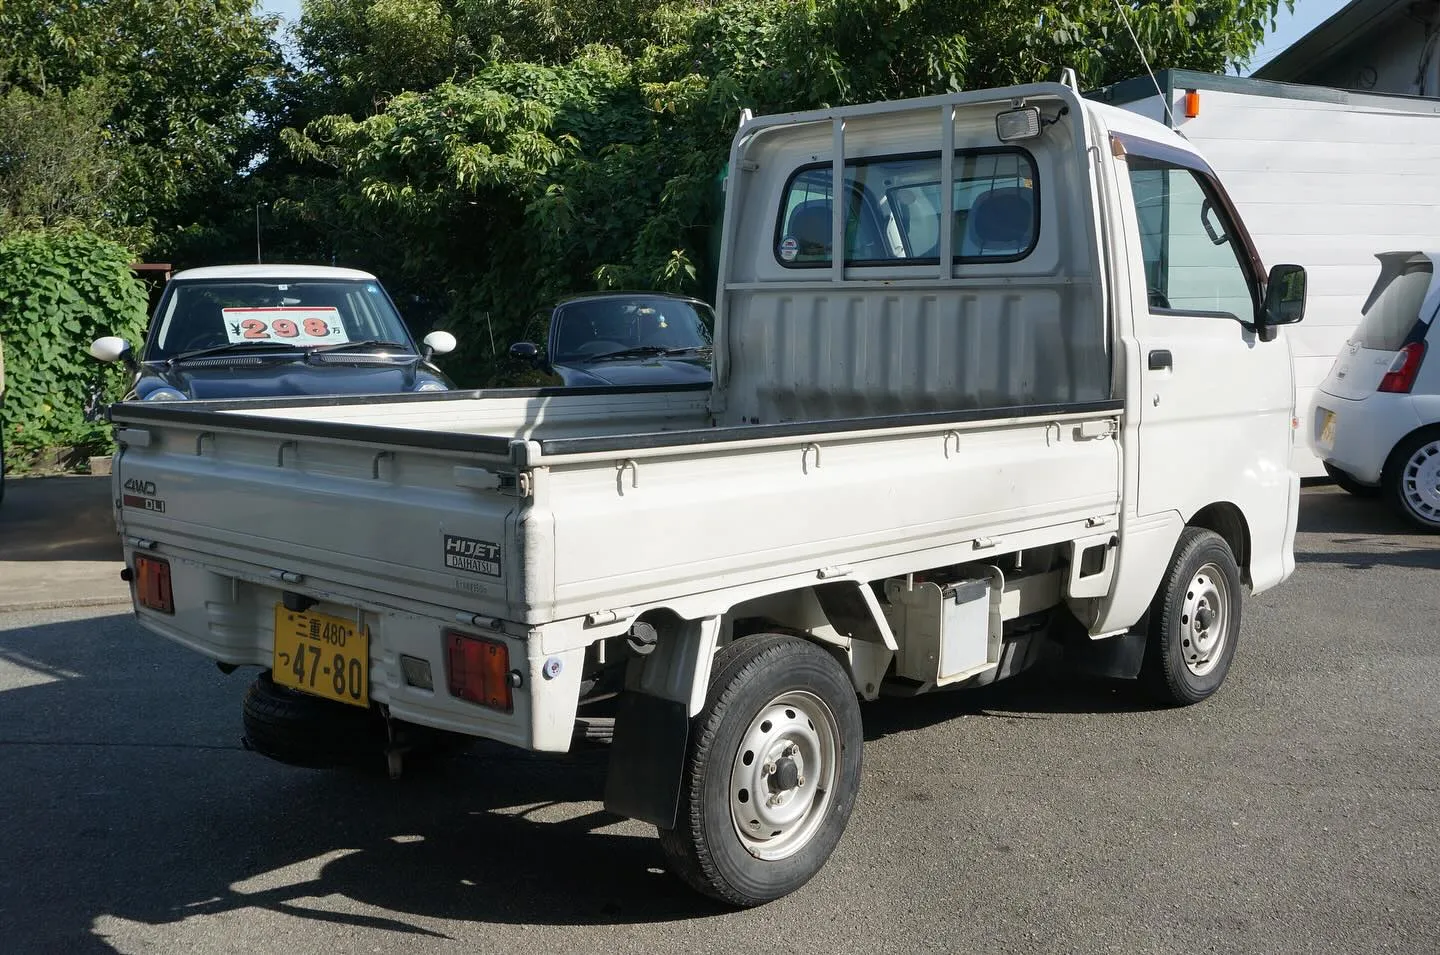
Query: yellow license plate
(324,655)
(1327,428)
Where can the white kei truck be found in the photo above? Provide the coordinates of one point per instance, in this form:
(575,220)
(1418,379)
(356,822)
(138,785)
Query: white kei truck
(1035,409)
(1328,179)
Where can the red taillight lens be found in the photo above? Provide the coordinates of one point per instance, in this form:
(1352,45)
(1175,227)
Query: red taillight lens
(479,670)
(1400,377)
(152,584)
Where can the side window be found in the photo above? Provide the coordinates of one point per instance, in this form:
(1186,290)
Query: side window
(1192,262)
(894,212)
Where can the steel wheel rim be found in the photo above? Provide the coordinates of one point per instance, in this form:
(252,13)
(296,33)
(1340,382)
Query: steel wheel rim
(1420,483)
(1205,620)
(784,775)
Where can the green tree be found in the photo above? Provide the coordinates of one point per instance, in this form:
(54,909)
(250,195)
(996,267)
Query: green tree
(185,80)
(496,186)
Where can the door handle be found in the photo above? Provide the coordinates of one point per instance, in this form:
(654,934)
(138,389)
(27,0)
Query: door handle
(1160,360)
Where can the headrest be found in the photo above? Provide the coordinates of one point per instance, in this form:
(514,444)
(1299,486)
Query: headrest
(810,225)
(1003,217)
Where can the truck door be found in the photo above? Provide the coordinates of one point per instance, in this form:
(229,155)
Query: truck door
(1215,401)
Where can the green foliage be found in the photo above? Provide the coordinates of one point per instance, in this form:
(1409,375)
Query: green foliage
(59,291)
(487,187)
(183,82)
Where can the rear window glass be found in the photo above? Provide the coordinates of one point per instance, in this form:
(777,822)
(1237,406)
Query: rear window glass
(893,210)
(1394,306)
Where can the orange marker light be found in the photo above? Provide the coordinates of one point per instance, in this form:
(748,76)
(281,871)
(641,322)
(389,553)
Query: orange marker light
(1192,104)
(152,584)
(479,670)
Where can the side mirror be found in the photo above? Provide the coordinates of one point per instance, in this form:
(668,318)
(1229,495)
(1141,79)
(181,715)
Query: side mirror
(112,348)
(438,343)
(527,352)
(1284,296)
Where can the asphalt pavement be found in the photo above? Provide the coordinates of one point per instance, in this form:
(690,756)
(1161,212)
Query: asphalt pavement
(1295,811)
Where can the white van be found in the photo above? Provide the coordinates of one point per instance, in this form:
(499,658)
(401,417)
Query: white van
(1020,391)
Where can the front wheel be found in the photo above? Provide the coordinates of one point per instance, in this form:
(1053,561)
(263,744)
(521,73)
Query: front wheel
(772,772)
(1412,480)
(1194,620)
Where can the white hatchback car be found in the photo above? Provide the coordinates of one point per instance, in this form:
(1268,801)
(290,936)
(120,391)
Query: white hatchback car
(1377,416)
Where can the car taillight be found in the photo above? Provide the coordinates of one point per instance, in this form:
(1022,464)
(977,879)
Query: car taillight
(1400,377)
(479,670)
(152,583)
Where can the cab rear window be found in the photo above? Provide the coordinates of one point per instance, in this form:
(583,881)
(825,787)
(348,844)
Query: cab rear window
(1394,306)
(893,210)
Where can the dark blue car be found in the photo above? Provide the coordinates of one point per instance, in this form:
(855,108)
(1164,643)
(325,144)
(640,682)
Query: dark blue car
(624,338)
(260,331)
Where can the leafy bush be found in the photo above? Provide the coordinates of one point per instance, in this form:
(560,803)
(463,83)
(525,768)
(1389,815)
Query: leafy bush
(59,291)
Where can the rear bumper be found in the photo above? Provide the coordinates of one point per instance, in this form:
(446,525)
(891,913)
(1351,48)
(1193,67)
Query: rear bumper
(229,617)
(1363,433)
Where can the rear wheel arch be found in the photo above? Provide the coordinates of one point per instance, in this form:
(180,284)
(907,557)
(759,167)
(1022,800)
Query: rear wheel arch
(1227,520)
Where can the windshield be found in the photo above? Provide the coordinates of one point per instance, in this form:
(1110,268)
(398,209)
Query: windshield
(592,329)
(1394,304)
(298,312)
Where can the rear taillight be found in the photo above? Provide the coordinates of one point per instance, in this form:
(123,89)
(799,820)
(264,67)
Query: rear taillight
(152,584)
(1400,376)
(479,670)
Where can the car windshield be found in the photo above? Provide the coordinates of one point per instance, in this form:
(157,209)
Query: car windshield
(300,312)
(592,329)
(1394,304)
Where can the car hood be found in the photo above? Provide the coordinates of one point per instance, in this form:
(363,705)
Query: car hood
(282,379)
(637,371)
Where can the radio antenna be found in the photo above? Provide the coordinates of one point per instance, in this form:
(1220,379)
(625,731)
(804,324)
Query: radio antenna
(1164,101)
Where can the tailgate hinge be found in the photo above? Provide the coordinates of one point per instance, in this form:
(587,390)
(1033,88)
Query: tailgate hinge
(1096,429)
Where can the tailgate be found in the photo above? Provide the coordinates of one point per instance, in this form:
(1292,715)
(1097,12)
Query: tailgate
(393,519)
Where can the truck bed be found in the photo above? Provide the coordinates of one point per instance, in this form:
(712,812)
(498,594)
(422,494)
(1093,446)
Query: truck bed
(542,507)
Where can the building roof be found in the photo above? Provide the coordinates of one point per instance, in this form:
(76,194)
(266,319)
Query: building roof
(1345,27)
(269,272)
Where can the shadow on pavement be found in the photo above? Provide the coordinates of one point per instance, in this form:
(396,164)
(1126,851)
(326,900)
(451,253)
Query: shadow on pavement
(1374,535)
(58,518)
(127,795)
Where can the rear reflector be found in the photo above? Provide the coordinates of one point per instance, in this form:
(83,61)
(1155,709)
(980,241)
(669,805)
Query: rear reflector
(152,584)
(479,670)
(1400,377)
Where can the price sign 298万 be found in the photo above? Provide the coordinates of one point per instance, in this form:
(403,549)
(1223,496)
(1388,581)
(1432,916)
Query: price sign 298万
(296,326)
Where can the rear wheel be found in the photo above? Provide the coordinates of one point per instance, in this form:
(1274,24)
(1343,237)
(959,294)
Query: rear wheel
(1194,621)
(1412,479)
(772,772)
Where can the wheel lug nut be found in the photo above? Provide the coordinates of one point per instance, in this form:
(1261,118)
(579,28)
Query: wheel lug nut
(769,769)
(800,781)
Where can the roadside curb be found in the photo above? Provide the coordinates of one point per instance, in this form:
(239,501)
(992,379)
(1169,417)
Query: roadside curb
(77,602)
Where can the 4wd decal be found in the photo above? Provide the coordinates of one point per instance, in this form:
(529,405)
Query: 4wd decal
(471,555)
(143,496)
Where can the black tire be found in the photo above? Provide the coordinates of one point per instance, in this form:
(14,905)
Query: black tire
(301,730)
(1348,484)
(1417,457)
(749,677)
(1186,657)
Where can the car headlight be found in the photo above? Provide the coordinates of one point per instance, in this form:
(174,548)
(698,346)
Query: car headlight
(430,384)
(165,394)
